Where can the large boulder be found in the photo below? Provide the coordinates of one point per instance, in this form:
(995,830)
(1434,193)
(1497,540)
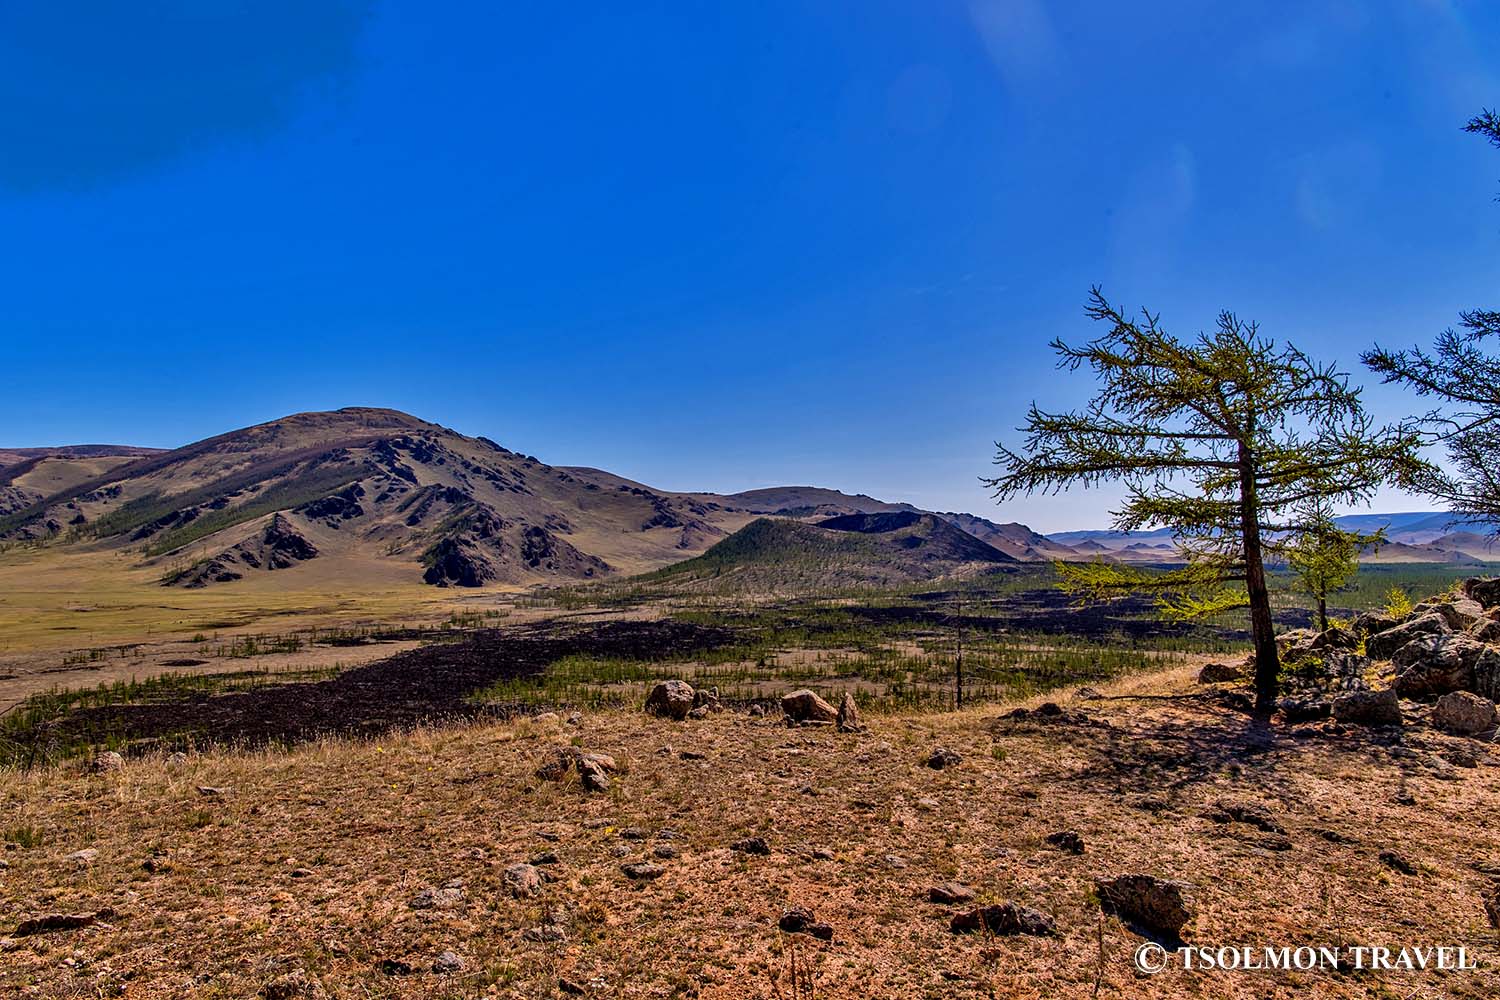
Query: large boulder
(1219,673)
(806,706)
(670,699)
(1464,712)
(1159,907)
(848,718)
(1484,589)
(1368,708)
(1372,622)
(1334,637)
(1382,645)
(1486,630)
(1298,644)
(1436,664)
(1459,612)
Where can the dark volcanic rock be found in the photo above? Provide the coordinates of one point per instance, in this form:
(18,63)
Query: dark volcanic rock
(1004,919)
(1157,906)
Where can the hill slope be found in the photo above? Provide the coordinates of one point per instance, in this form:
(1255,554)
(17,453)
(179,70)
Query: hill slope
(880,549)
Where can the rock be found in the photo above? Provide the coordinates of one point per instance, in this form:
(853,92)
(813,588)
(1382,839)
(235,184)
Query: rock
(1458,612)
(707,700)
(603,761)
(556,765)
(447,963)
(1066,840)
(544,858)
(1484,589)
(106,762)
(848,717)
(1486,630)
(823,854)
(397,967)
(1371,622)
(633,833)
(444,897)
(1368,708)
(83,857)
(950,892)
(1158,906)
(1243,812)
(300,873)
(806,706)
(701,712)
(540,719)
(177,761)
(1396,861)
(1464,712)
(214,791)
(1004,919)
(757,711)
(643,871)
(751,845)
(942,758)
(1437,664)
(1334,637)
(60,922)
(1491,901)
(571,988)
(574,718)
(1382,645)
(592,776)
(522,881)
(1220,673)
(796,919)
(665,851)
(670,699)
(1303,709)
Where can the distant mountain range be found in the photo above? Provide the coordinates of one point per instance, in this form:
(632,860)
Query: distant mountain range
(361,493)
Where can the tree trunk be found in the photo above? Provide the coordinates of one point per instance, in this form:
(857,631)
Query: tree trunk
(1262,628)
(1322,613)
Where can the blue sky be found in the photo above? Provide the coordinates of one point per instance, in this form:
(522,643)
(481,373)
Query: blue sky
(714,246)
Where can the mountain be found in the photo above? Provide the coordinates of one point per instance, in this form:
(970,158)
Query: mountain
(863,549)
(359,485)
(363,491)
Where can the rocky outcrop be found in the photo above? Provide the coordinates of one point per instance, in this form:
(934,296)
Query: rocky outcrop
(1464,713)
(1434,665)
(279,545)
(1160,907)
(1382,645)
(805,706)
(1368,708)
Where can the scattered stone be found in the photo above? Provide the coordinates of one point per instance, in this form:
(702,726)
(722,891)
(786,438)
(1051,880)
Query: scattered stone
(546,719)
(1004,919)
(447,963)
(444,897)
(83,857)
(397,967)
(106,761)
(1398,862)
(575,718)
(1158,906)
(556,765)
(1368,708)
(643,871)
(667,833)
(1461,757)
(1464,713)
(1087,693)
(1243,812)
(665,851)
(848,717)
(950,892)
(751,845)
(942,758)
(1066,840)
(177,760)
(1332,836)
(633,833)
(670,699)
(569,987)
(693,755)
(213,792)
(757,711)
(701,712)
(806,706)
(1220,673)
(60,922)
(592,775)
(300,873)
(895,861)
(522,881)
(708,700)
(544,858)
(823,854)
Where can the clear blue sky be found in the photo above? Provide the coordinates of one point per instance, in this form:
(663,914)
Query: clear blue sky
(713,246)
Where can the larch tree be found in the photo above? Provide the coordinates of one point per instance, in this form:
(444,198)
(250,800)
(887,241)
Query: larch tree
(1323,557)
(1459,373)
(1223,439)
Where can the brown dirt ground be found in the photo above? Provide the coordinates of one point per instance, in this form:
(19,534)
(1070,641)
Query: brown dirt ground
(374,823)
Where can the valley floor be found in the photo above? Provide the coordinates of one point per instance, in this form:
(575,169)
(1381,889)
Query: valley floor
(306,873)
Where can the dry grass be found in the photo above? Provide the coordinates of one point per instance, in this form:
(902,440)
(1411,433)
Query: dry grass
(222,914)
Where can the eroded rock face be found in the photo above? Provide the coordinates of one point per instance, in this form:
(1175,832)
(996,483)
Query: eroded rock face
(1159,906)
(1458,612)
(670,699)
(1464,712)
(1382,645)
(806,706)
